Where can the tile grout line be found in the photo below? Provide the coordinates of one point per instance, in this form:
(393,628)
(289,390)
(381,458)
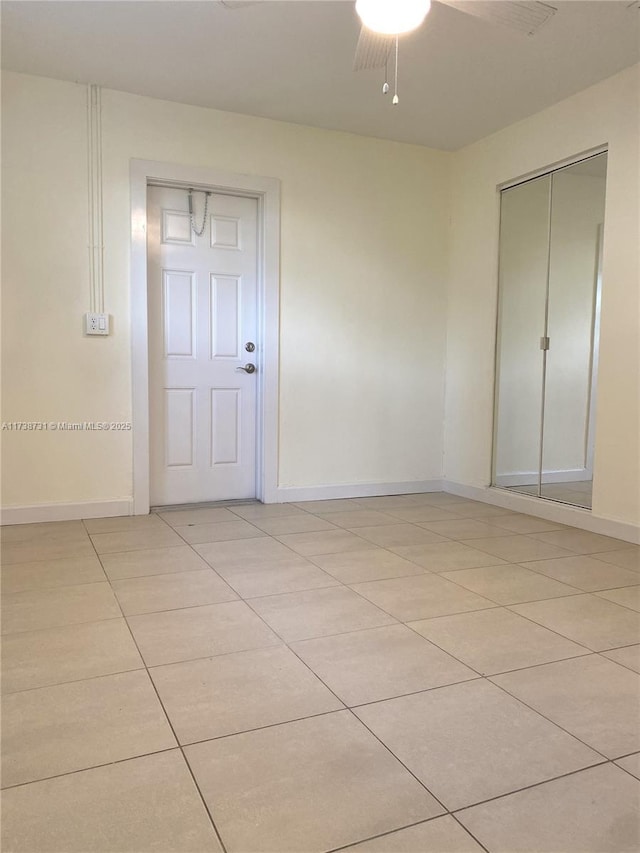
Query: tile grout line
(350,845)
(466,829)
(208,566)
(335,583)
(399,760)
(170,724)
(588,652)
(526,564)
(633,776)
(578,590)
(506,608)
(367,704)
(401,829)
(488,598)
(266,727)
(87,769)
(537,785)
(73,681)
(626,755)
(128,529)
(544,717)
(620,604)
(536,665)
(62,627)
(55,627)
(626,666)
(510,607)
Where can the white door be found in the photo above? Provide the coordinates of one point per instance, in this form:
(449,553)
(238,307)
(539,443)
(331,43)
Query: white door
(202,327)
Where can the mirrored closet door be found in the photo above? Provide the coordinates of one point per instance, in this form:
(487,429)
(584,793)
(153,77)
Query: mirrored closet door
(548,327)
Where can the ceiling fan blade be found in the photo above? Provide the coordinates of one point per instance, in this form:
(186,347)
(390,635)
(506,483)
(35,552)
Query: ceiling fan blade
(372,50)
(238,4)
(525,16)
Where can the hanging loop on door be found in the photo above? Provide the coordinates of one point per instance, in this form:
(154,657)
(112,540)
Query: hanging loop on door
(198,231)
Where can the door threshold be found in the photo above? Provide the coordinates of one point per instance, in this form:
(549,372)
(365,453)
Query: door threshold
(205,505)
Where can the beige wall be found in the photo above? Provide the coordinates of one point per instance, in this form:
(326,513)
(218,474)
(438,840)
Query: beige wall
(605,113)
(363,280)
(366,256)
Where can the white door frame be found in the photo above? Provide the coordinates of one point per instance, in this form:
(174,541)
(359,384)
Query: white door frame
(267,193)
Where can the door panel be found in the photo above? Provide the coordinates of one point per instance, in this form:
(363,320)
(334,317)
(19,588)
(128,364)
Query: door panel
(524,241)
(226,318)
(179,423)
(178,313)
(576,226)
(202,312)
(225,419)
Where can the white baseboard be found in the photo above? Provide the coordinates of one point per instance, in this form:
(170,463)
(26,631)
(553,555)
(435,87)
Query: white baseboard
(529,478)
(549,510)
(291,494)
(64,512)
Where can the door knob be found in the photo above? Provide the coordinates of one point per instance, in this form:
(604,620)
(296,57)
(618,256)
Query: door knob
(250,346)
(248,368)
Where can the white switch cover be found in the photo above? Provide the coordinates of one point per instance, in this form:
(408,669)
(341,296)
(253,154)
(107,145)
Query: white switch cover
(96,324)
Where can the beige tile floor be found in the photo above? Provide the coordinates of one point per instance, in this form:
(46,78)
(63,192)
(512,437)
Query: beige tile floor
(410,674)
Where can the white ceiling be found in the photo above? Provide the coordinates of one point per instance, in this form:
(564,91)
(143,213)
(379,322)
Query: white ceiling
(460,78)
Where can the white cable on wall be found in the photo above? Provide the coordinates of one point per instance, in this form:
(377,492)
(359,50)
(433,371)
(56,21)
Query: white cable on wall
(94,162)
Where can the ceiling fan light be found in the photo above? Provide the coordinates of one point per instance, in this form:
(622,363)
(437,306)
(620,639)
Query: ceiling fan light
(392,17)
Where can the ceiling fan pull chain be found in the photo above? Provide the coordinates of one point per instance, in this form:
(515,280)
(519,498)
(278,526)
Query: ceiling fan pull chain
(198,231)
(385,88)
(396,100)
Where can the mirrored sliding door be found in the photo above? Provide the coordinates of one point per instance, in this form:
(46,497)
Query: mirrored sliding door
(548,327)
(524,262)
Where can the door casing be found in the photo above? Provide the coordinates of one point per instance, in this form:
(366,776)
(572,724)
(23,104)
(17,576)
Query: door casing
(267,192)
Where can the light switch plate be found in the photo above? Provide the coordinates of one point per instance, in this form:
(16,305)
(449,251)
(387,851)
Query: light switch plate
(96,324)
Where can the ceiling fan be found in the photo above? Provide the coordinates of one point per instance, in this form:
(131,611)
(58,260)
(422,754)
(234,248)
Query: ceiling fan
(384,20)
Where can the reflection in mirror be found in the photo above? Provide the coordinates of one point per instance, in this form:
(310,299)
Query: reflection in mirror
(548,332)
(524,241)
(577,217)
